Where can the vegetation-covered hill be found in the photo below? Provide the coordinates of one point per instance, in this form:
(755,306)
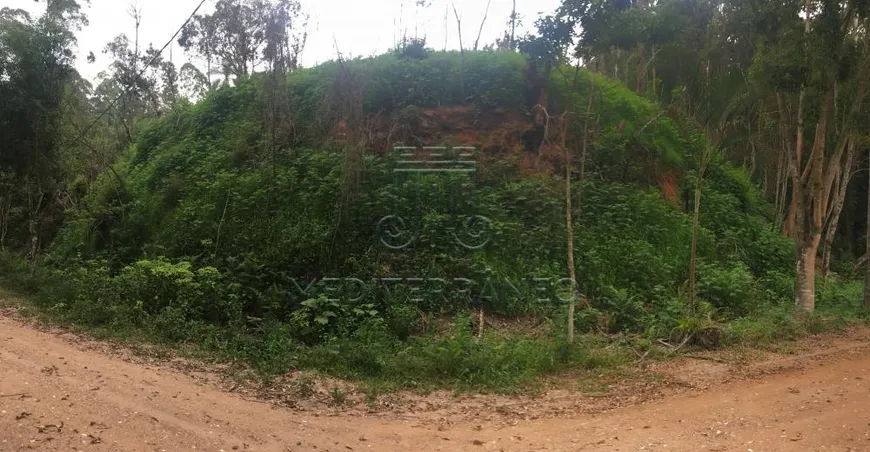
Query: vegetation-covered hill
(428,217)
(214,237)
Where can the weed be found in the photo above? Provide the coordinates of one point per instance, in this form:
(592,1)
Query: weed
(304,385)
(371,391)
(337,397)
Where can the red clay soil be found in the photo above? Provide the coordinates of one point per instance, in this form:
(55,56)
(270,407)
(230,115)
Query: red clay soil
(59,393)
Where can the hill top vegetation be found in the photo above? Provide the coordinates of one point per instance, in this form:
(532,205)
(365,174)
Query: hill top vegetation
(273,220)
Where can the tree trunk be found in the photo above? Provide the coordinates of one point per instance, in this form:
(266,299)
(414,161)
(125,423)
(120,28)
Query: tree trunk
(788,227)
(695,222)
(655,80)
(461,52)
(838,198)
(806,246)
(208,71)
(805,276)
(752,159)
(793,161)
(640,76)
(5,202)
(828,243)
(480,322)
(568,219)
(795,164)
(867,246)
(811,209)
(34,204)
(569,226)
(348,94)
(513,26)
(615,59)
(627,57)
(780,188)
(482,22)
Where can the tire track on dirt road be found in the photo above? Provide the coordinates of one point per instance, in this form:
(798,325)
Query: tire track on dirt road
(57,395)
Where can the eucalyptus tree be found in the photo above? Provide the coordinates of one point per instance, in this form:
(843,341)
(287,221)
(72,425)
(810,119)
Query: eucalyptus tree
(782,84)
(36,58)
(241,36)
(817,68)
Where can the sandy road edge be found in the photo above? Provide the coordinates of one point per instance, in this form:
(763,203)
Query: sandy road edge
(629,386)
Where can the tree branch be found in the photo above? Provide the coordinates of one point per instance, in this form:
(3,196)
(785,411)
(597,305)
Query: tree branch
(458,27)
(483,21)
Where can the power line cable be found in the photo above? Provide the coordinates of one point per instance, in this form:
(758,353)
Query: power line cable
(144,68)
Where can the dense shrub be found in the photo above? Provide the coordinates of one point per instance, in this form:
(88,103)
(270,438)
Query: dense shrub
(262,226)
(216,239)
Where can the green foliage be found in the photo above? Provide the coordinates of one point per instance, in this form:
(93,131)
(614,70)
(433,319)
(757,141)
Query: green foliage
(839,304)
(841,300)
(238,36)
(698,328)
(39,88)
(731,290)
(322,318)
(639,142)
(220,241)
(495,362)
(778,323)
(486,79)
(413,48)
(200,192)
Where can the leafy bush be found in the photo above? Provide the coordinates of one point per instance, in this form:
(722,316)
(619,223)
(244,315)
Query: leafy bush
(774,324)
(494,363)
(217,238)
(731,290)
(414,48)
(840,299)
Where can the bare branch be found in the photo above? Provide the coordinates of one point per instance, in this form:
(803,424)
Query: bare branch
(482,22)
(513,25)
(654,119)
(461,51)
(458,27)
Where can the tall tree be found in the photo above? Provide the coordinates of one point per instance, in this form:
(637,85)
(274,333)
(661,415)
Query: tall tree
(867,244)
(36,57)
(130,71)
(281,54)
(782,82)
(236,36)
(824,54)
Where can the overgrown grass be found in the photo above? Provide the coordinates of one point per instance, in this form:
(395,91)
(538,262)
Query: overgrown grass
(214,235)
(212,228)
(376,358)
(497,362)
(839,304)
(372,354)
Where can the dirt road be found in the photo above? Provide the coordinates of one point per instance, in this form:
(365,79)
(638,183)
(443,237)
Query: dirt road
(59,395)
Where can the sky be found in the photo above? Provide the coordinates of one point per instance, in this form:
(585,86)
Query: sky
(357,27)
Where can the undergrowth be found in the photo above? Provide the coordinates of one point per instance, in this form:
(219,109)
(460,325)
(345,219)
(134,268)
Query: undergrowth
(373,355)
(265,255)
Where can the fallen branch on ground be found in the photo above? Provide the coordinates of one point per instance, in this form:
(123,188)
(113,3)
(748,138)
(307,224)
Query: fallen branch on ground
(641,357)
(678,347)
(706,358)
